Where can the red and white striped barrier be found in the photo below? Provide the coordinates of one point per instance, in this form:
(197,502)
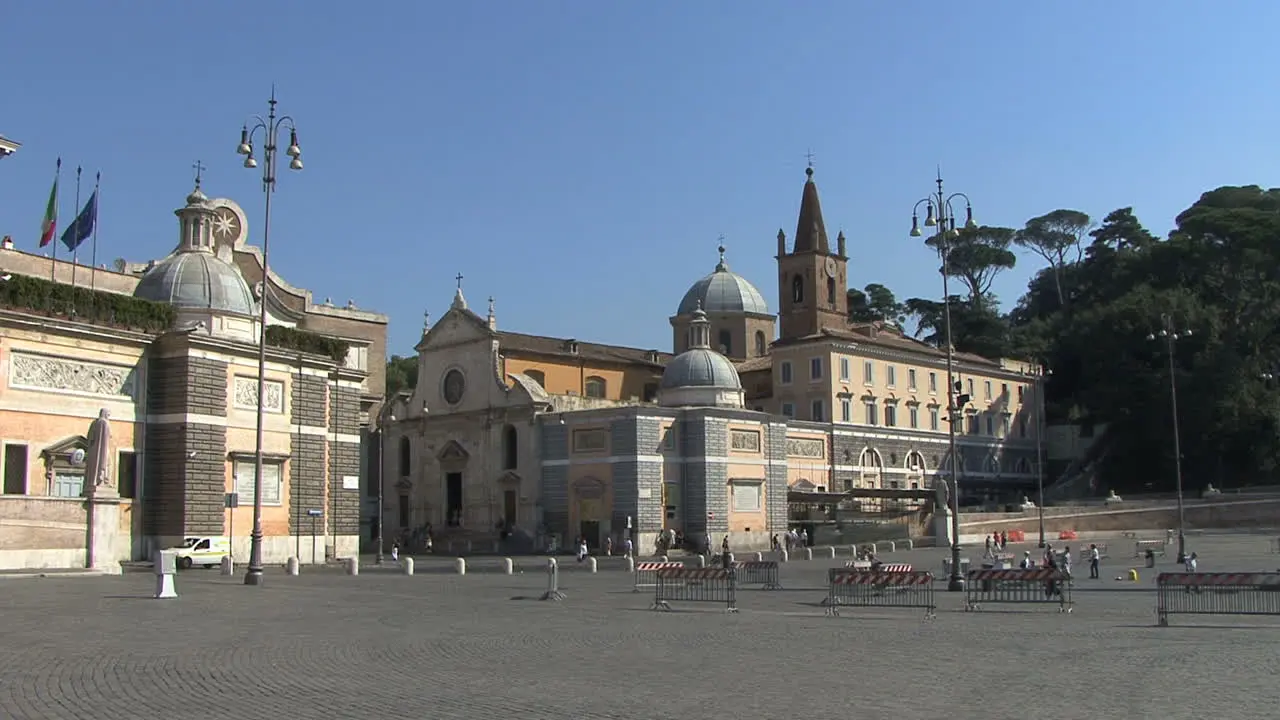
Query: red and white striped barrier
(1040,574)
(884,578)
(1208,579)
(684,573)
(646,574)
(895,568)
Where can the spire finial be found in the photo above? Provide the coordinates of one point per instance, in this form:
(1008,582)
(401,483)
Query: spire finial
(459,279)
(490,306)
(459,302)
(721,266)
(699,329)
(199,168)
(426,320)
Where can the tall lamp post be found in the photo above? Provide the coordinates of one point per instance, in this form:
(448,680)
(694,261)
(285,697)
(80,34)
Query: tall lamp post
(385,417)
(1041,372)
(941,215)
(270,127)
(1170,334)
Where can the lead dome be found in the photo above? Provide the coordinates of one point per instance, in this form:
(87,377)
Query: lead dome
(723,291)
(700,376)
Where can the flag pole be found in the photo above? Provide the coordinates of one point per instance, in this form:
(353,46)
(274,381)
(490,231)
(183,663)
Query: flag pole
(93,270)
(53,266)
(75,250)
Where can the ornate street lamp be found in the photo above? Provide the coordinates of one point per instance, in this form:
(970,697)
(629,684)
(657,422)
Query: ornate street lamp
(270,127)
(1170,335)
(941,215)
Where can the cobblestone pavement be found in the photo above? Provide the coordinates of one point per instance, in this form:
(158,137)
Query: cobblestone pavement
(387,646)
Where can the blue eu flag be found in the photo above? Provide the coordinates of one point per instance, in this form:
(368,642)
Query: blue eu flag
(80,230)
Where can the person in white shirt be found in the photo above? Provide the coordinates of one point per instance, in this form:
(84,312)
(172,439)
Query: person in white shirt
(1191,563)
(1094,559)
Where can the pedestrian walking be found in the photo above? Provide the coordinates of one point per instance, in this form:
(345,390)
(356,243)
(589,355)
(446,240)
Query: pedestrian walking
(1095,558)
(395,551)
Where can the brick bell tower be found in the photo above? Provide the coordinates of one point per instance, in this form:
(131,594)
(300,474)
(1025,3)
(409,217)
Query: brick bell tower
(812,281)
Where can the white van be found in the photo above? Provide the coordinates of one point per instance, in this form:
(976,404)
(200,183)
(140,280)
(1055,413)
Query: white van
(206,551)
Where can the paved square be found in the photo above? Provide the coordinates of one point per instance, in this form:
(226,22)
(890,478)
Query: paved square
(436,645)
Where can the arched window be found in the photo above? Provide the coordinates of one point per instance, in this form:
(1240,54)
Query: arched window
(761,344)
(404,457)
(797,289)
(831,292)
(726,342)
(594,387)
(914,463)
(510,448)
(537,376)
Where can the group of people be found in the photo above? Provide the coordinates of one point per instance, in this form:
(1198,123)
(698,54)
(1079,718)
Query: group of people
(792,538)
(997,541)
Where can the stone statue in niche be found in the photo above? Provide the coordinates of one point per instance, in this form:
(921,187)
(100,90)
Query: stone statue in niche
(98,457)
(943,494)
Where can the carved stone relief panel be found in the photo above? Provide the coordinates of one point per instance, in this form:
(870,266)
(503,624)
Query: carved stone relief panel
(246,395)
(745,440)
(41,372)
(806,448)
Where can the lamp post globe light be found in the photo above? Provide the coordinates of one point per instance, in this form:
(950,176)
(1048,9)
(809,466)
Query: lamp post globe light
(941,216)
(1170,334)
(270,128)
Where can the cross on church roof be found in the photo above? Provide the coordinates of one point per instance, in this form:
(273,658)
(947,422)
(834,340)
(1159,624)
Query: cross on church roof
(199,168)
(459,279)
(809,156)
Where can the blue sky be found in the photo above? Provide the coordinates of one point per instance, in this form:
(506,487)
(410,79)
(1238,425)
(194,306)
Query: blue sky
(578,160)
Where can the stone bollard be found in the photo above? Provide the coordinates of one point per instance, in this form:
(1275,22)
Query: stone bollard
(853,551)
(729,561)
(808,553)
(702,561)
(553,581)
(663,558)
(872,548)
(759,557)
(783,556)
(892,546)
(831,552)
(291,566)
(911,545)
(228,566)
(407,565)
(591,564)
(166,565)
(353,566)
(507,566)
(460,565)
(631,564)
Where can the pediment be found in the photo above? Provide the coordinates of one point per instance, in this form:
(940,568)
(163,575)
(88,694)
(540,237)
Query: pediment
(65,447)
(404,484)
(458,326)
(452,452)
(510,477)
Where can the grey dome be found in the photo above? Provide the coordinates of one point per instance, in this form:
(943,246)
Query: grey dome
(701,367)
(723,292)
(197,281)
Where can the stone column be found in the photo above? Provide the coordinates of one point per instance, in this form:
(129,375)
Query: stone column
(102,503)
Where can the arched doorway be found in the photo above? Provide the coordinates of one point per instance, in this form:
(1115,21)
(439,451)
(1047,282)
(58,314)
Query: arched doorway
(453,464)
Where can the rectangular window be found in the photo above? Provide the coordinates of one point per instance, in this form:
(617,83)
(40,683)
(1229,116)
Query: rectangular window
(868,373)
(933,382)
(911,378)
(891,415)
(817,414)
(669,438)
(15,469)
(871,412)
(788,410)
(913,416)
(846,410)
(933,418)
(747,496)
(973,424)
(785,372)
(1021,388)
(891,375)
(1004,389)
(815,369)
(986,388)
(844,369)
(127,474)
(971,387)
(244,474)
(991,425)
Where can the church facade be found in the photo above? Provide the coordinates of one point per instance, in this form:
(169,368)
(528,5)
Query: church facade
(169,351)
(751,412)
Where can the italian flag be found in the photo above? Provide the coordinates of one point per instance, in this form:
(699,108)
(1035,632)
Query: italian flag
(50,224)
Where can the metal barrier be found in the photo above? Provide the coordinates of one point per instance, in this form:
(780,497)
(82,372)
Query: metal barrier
(1216,594)
(1142,546)
(646,574)
(1036,586)
(696,585)
(1102,552)
(865,588)
(764,572)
